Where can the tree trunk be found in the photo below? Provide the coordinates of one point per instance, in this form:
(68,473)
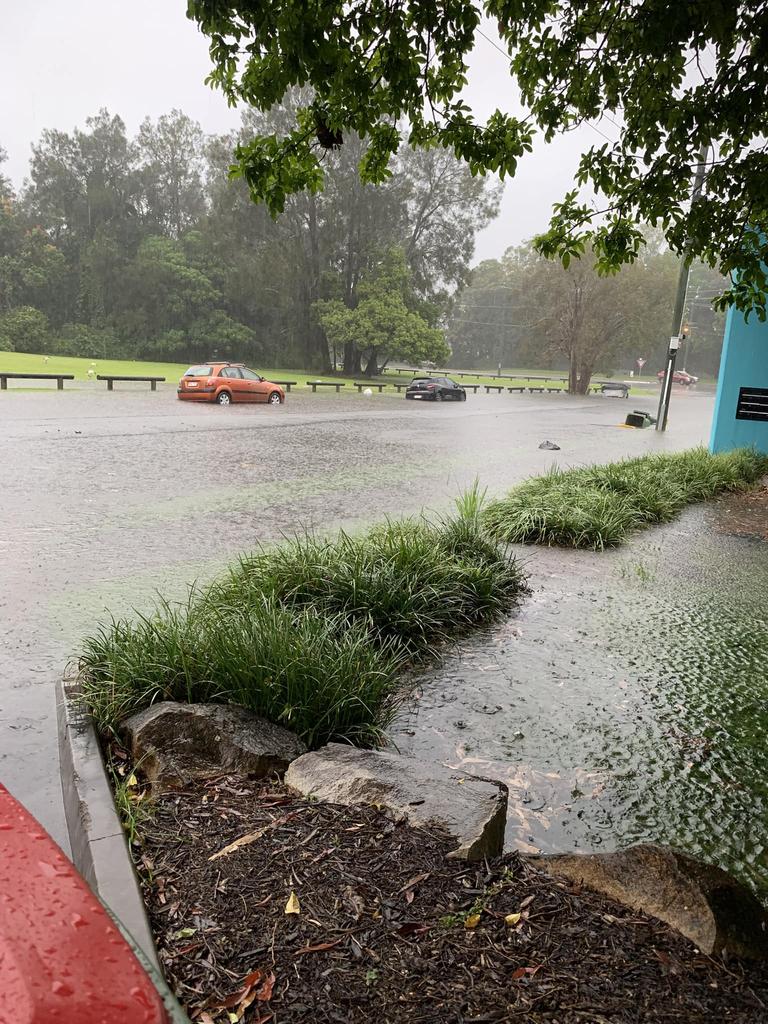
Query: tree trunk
(352,362)
(573,376)
(579,376)
(585,378)
(372,366)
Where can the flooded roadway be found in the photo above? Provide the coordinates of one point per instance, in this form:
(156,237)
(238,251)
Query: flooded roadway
(107,498)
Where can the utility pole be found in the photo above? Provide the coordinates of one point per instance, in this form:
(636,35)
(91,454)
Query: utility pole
(677,317)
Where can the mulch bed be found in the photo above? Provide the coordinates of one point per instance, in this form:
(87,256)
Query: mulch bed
(388,930)
(744,514)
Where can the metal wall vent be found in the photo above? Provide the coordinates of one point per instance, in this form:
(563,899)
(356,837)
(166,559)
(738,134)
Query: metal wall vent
(752,404)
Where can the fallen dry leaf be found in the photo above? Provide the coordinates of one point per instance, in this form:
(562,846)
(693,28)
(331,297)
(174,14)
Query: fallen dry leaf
(230,1001)
(353,902)
(245,1002)
(523,972)
(412,928)
(511,919)
(472,921)
(415,881)
(293,906)
(252,837)
(318,948)
(264,991)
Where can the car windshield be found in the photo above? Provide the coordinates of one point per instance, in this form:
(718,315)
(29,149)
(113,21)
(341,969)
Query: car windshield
(198,371)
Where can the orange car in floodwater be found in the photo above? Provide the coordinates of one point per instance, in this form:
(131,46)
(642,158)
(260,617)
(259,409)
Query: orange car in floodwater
(225,383)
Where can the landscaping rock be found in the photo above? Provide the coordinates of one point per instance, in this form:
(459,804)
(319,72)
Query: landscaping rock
(473,811)
(702,902)
(175,744)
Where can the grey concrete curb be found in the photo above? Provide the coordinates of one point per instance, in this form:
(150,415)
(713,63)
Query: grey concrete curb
(99,847)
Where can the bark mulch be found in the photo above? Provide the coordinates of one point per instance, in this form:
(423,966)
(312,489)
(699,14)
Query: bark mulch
(744,514)
(385,929)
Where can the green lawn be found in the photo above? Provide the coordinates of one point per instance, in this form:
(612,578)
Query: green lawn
(22,362)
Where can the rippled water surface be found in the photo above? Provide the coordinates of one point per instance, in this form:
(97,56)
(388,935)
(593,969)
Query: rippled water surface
(627,701)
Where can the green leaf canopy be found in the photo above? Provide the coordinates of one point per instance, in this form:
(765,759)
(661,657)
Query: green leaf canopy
(673,81)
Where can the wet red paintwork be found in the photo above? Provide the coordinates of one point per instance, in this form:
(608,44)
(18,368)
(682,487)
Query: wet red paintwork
(62,960)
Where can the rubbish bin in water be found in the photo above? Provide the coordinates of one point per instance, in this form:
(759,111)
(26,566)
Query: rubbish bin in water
(638,418)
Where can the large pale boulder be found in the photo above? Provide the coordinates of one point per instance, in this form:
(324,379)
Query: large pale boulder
(473,811)
(175,744)
(702,902)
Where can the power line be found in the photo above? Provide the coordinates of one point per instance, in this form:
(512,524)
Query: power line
(485,323)
(504,53)
(483,305)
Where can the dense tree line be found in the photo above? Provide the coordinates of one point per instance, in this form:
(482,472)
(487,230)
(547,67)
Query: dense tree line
(525,310)
(680,86)
(146,247)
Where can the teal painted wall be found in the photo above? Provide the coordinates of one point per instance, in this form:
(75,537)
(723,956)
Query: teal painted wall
(744,363)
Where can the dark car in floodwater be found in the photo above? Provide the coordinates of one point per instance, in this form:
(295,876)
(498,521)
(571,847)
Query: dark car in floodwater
(435,389)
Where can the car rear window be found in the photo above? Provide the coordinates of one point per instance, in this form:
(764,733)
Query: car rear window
(199,371)
(421,380)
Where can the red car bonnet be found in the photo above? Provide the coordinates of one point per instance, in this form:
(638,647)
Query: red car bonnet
(62,960)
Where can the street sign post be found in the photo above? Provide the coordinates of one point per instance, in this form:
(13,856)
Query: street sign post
(678,324)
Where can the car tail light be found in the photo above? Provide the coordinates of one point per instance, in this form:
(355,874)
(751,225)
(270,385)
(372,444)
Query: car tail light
(431,387)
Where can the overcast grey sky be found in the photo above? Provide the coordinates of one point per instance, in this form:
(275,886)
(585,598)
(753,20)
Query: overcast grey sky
(61,62)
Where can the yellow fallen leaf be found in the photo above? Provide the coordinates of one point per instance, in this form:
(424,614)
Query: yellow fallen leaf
(131,780)
(293,906)
(472,921)
(511,919)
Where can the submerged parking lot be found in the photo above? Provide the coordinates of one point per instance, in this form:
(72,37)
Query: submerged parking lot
(108,498)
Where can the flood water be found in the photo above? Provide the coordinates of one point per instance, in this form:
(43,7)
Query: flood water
(626,702)
(106,499)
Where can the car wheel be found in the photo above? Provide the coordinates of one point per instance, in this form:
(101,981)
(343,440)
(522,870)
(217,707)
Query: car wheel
(224,398)
(463,396)
(438,396)
(274,398)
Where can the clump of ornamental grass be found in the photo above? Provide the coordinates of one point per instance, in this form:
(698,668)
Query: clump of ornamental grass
(301,670)
(412,581)
(598,506)
(313,633)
